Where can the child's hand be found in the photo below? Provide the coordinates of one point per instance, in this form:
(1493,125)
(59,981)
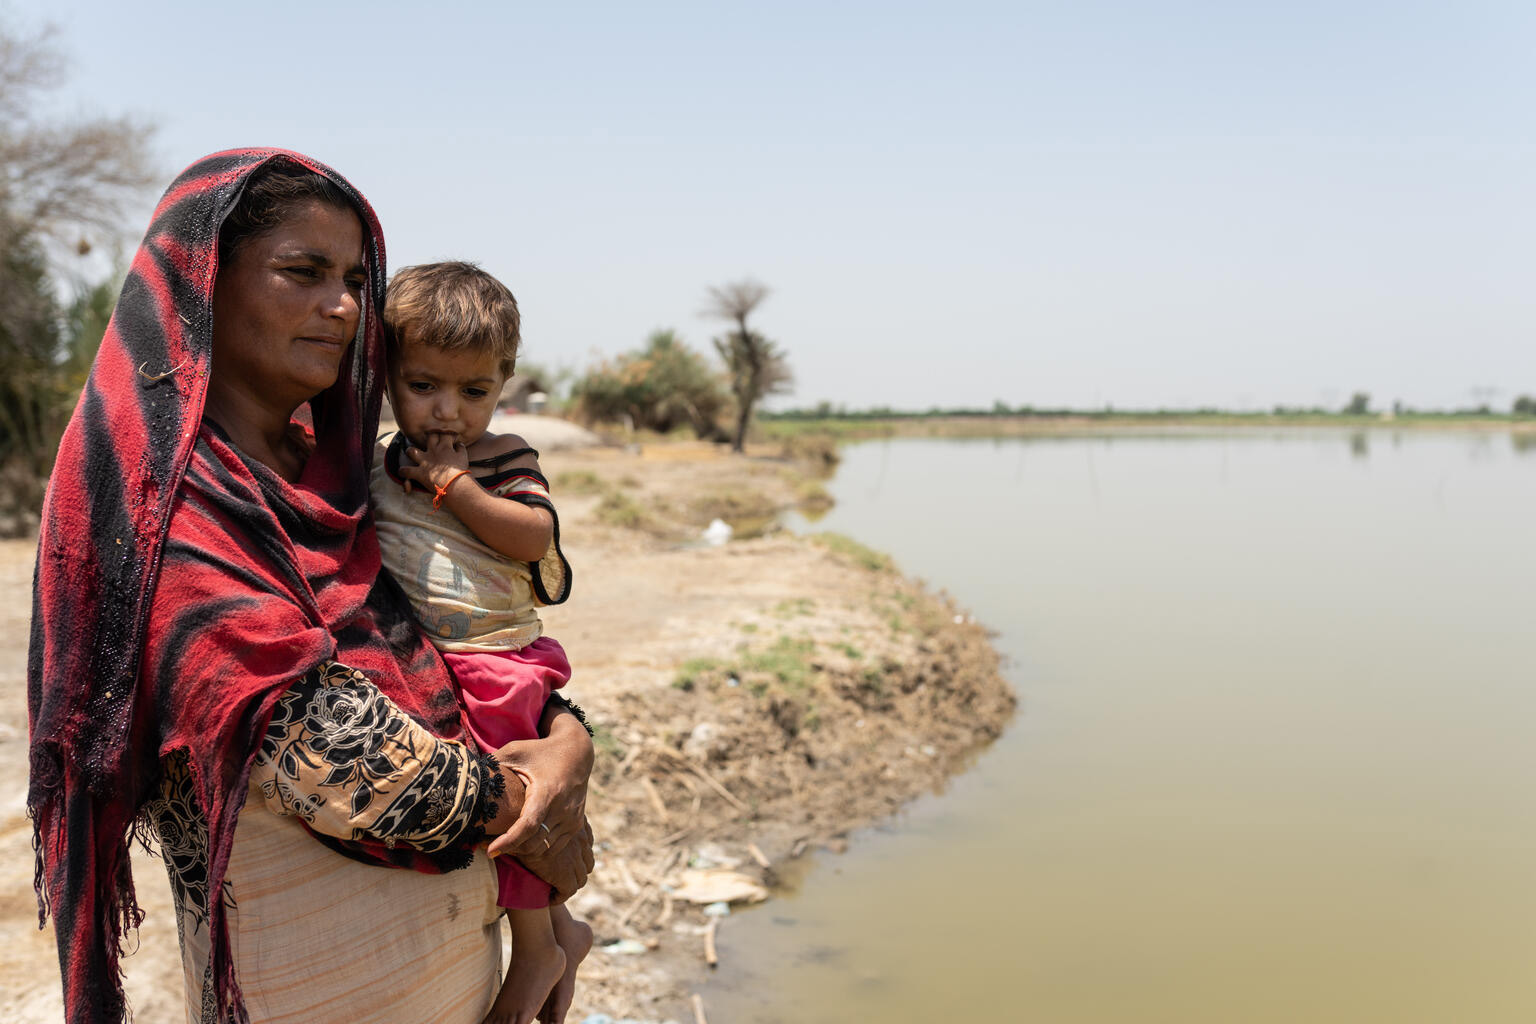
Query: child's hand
(436,467)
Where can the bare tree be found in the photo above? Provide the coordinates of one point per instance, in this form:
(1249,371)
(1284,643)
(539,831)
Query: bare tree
(64,188)
(756,366)
(61,182)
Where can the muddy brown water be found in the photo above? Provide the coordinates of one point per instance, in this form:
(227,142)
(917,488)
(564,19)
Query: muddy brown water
(1274,758)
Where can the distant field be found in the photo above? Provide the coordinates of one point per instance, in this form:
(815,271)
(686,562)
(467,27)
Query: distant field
(857,426)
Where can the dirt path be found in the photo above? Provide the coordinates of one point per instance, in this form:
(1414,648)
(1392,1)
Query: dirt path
(750,699)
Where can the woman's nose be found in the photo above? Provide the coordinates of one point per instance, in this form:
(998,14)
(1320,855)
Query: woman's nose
(343,305)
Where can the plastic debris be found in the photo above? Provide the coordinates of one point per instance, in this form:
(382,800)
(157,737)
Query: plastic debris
(717,532)
(718,909)
(701,740)
(625,947)
(717,885)
(713,855)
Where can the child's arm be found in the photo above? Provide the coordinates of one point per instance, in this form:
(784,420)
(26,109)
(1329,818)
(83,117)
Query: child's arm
(516,530)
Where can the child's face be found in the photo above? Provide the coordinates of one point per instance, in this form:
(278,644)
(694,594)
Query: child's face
(433,391)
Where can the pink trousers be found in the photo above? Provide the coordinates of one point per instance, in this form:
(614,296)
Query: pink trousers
(504,694)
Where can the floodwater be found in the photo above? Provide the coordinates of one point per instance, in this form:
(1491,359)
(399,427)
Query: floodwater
(1275,756)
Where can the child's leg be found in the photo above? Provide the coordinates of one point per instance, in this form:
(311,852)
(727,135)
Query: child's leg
(538,963)
(575,940)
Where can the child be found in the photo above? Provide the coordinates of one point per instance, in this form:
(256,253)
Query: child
(467,528)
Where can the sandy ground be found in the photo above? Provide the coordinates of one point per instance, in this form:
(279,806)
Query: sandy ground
(751,700)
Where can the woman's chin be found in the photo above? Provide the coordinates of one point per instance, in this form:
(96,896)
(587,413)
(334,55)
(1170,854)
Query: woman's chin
(318,377)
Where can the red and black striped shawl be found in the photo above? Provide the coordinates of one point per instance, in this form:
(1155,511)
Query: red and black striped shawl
(252,583)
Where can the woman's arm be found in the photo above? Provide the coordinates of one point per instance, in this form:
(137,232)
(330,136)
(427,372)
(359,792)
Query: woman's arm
(344,758)
(341,756)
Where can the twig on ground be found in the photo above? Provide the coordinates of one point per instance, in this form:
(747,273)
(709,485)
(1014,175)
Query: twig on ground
(655,798)
(640,900)
(709,780)
(682,833)
(710,956)
(624,876)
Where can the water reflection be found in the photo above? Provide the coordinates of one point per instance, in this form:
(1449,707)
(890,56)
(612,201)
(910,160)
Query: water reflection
(1272,762)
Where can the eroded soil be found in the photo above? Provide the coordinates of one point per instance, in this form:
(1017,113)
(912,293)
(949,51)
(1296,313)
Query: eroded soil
(751,700)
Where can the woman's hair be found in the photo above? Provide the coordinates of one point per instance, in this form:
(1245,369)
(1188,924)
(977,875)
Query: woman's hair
(274,192)
(452,305)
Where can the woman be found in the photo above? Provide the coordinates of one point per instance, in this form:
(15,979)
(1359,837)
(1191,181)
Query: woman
(216,652)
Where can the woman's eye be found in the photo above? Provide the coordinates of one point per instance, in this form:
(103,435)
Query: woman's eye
(304,271)
(355,283)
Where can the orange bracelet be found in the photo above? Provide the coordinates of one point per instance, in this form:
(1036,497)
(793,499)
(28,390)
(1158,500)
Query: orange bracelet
(442,492)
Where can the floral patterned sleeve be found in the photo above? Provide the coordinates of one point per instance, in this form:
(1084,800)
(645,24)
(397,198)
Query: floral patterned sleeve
(341,756)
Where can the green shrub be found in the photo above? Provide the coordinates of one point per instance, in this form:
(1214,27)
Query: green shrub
(660,387)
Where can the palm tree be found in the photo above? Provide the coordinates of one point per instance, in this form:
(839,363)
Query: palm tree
(756,366)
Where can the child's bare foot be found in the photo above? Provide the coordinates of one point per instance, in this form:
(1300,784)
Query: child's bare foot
(537,966)
(575,940)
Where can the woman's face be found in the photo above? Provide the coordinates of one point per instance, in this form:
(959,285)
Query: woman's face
(285,307)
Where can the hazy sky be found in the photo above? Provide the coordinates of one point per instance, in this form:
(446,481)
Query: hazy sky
(1070,203)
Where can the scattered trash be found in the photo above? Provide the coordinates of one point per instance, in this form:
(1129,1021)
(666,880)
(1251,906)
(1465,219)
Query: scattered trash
(717,532)
(717,885)
(701,740)
(718,909)
(959,620)
(625,947)
(712,855)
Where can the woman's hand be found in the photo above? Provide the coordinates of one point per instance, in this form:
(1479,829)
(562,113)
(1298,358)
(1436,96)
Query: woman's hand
(565,869)
(443,460)
(553,772)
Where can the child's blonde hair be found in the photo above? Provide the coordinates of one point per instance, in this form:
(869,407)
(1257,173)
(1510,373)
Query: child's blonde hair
(452,305)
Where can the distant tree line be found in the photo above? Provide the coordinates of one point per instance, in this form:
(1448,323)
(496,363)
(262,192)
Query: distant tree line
(665,385)
(1358,405)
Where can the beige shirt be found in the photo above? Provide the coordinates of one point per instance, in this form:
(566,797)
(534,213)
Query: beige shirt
(466,595)
(302,915)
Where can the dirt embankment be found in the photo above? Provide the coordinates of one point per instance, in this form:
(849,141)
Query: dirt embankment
(750,700)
